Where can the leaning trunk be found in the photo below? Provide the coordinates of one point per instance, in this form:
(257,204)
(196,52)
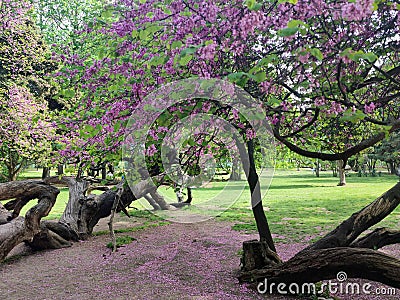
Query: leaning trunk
(247,157)
(392,168)
(60,169)
(343,250)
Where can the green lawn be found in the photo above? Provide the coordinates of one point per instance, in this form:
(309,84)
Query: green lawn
(299,206)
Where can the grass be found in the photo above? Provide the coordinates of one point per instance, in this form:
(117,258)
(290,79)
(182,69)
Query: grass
(299,206)
(148,220)
(121,241)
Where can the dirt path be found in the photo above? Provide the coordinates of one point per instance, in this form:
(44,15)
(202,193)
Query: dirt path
(177,261)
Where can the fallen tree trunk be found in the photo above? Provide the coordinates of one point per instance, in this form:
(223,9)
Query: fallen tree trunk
(15,229)
(350,229)
(339,250)
(323,264)
(377,239)
(81,214)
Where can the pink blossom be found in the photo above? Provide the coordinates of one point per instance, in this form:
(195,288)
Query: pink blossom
(358,10)
(235,113)
(206,106)
(369,109)
(320,101)
(250,134)
(275,119)
(150,151)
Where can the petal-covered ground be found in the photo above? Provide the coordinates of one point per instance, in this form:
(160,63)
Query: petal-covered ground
(177,261)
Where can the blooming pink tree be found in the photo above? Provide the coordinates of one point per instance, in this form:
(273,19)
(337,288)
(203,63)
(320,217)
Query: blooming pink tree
(308,61)
(26,132)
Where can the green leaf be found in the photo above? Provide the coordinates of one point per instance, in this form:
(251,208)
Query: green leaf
(184,61)
(257,6)
(189,50)
(117,126)
(250,3)
(353,117)
(176,44)
(234,77)
(156,61)
(288,1)
(267,60)
(317,53)
(107,14)
(167,11)
(295,23)
(260,77)
(144,34)
(346,52)
(239,78)
(371,57)
(69,93)
(285,32)
(113,88)
(273,101)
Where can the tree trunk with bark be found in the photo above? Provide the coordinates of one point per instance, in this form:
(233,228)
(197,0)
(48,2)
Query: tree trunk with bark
(341,166)
(247,158)
(15,229)
(392,168)
(60,169)
(317,168)
(235,172)
(45,172)
(340,250)
(82,212)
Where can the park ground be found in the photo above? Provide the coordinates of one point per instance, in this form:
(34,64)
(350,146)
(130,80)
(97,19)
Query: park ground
(167,260)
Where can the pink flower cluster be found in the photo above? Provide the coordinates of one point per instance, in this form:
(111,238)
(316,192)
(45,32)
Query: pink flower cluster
(320,101)
(250,134)
(150,151)
(335,109)
(358,10)
(208,52)
(369,108)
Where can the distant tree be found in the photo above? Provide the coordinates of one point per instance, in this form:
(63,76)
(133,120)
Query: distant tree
(25,127)
(61,21)
(389,152)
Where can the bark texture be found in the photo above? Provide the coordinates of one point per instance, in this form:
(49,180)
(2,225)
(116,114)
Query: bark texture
(341,165)
(324,264)
(15,229)
(81,214)
(339,250)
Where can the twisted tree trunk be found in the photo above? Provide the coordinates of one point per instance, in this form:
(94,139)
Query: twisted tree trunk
(339,250)
(80,216)
(15,229)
